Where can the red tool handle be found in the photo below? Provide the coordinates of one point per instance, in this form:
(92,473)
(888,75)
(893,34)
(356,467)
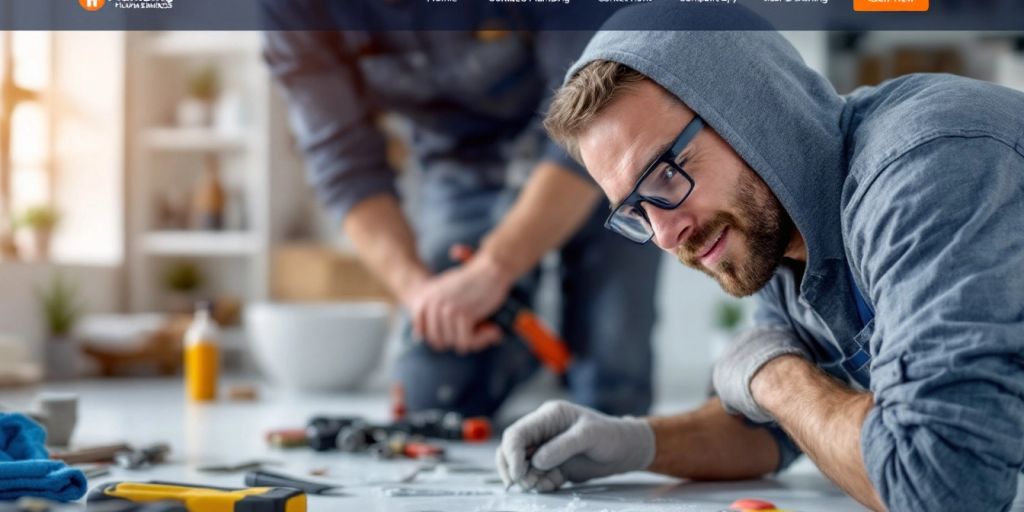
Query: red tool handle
(547,346)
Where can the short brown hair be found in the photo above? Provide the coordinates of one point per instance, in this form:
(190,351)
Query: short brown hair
(583,97)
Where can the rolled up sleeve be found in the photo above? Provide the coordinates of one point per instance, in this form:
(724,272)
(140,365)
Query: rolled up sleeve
(333,124)
(939,239)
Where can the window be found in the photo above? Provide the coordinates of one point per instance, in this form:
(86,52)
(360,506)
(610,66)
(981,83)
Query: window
(26,179)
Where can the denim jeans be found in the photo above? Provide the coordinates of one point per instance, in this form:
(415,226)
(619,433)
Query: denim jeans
(607,308)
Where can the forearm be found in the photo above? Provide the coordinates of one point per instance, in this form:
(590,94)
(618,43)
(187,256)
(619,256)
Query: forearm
(385,243)
(823,416)
(554,203)
(710,444)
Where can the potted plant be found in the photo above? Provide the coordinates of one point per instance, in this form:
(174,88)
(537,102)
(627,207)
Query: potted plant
(8,243)
(728,317)
(196,108)
(59,304)
(182,279)
(41,221)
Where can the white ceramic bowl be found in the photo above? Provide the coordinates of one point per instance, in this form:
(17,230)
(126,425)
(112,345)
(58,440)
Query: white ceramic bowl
(318,347)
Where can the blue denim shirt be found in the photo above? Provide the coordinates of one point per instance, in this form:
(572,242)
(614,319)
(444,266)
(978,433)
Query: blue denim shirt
(913,190)
(467,94)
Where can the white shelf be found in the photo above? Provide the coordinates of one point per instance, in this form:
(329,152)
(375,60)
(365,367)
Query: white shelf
(204,44)
(192,139)
(200,243)
(157,65)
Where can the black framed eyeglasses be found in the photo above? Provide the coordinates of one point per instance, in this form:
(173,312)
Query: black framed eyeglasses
(664,184)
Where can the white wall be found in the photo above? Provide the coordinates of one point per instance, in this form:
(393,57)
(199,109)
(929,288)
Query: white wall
(88,136)
(685,331)
(99,290)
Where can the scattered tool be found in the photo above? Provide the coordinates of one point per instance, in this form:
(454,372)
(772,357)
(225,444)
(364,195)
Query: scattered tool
(196,498)
(143,457)
(409,476)
(30,504)
(92,454)
(322,431)
(262,478)
(249,465)
(439,424)
(243,393)
(354,434)
(287,438)
(516,319)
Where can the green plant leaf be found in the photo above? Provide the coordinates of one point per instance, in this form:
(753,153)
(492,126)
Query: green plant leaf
(728,315)
(59,301)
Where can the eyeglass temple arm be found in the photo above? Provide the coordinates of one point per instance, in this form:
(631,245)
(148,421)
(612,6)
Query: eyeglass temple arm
(688,134)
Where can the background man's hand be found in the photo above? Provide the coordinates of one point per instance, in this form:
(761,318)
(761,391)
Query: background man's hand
(450,309)
(571,443)
(746,355)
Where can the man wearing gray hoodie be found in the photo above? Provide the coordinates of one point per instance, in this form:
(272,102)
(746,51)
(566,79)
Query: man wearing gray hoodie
(881,234)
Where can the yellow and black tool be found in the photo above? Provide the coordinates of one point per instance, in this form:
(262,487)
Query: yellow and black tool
(198,498)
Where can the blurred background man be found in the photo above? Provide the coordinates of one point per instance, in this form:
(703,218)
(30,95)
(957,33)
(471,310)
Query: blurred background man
(471,100)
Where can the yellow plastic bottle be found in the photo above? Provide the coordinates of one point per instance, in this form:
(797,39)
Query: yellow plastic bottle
(202,361)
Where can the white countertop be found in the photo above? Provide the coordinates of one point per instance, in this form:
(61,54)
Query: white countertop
(148,411)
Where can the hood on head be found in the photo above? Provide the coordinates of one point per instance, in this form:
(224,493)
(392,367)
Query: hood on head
(754,90)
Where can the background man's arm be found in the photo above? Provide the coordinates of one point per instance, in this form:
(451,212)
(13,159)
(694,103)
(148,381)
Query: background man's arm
(345,153)
(553,205)
(555,202)
(385,243)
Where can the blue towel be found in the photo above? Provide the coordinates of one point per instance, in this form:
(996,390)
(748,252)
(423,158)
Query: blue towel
(25,467)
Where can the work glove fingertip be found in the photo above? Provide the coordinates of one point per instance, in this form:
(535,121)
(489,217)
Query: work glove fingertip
(514,457)
(551,481)
(530,480)
(502,466)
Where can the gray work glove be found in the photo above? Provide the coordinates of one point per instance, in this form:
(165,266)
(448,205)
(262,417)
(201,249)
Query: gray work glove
(571,443)
(743,358)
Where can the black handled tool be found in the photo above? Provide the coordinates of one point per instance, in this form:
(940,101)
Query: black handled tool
(262,478)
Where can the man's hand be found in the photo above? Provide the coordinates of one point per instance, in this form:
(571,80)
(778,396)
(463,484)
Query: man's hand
(745,356)
(571,443)
(450,309)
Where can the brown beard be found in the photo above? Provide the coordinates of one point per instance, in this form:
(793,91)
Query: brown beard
(766,228)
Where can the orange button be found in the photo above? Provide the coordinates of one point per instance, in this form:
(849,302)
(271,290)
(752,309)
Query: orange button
(890,5)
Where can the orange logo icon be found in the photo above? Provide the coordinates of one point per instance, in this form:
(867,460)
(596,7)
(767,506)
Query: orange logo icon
(92,5)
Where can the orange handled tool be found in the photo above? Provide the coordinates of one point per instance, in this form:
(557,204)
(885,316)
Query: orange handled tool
(516,319)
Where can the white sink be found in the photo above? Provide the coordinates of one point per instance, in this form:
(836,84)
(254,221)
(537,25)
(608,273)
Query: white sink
(318,347)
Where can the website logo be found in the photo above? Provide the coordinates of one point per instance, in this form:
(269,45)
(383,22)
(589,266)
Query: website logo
(92,5)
